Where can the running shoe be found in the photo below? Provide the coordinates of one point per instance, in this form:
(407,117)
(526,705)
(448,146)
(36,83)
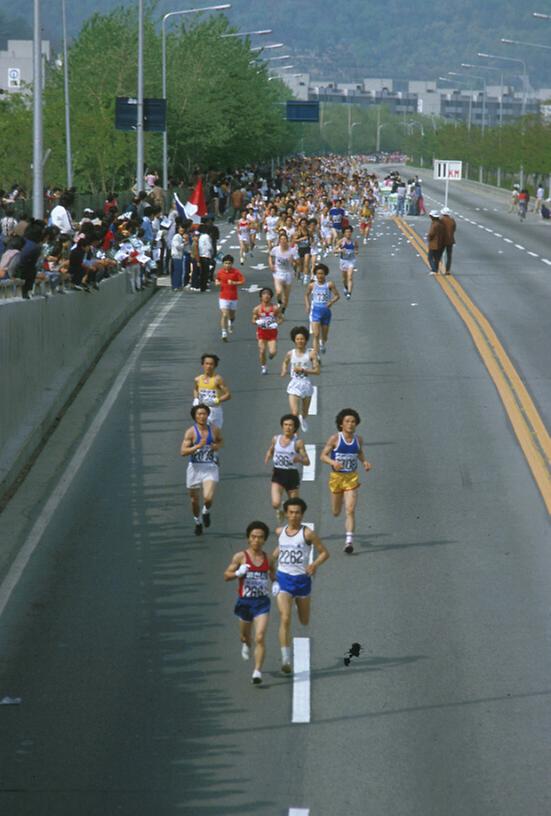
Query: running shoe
(257,677)
(349,548)
(245,651)
(305,280)
(198,529)
(206,519)
(303,424)
(322,348)
(348,295)
(230,326)
(225,337)
(263,370)
(286,668)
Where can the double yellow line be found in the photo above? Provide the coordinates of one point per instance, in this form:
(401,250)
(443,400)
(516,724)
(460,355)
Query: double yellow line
(528,425)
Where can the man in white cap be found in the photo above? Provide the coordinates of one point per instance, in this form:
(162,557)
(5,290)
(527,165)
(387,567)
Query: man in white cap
(436,240)
(449,228)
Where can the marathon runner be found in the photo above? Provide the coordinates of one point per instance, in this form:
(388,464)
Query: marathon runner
(251,567)
(319,297)
(201,443)
(286,451)
(210,389)
(295,569)
(342,452)
(267,317)
(300,362)
(348,250)
(228,279)
(283,259)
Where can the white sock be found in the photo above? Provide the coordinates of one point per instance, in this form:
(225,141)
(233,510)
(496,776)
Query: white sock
(285,654)
(204,510)
(197,519)
(349,538)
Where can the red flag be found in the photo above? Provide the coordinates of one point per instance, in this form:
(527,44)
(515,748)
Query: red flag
(198,198)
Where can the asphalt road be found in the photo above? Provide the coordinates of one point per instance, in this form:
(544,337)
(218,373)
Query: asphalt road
(119,637)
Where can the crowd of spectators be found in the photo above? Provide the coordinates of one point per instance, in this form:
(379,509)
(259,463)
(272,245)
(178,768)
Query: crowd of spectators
(144,236)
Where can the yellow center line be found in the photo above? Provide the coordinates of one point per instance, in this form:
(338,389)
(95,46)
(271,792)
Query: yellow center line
(527,423)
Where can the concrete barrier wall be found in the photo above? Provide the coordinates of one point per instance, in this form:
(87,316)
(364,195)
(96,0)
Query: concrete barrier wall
(45,348)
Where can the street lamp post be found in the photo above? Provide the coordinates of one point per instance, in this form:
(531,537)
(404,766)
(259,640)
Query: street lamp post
(500,72)
(38,183)
(524,93)
(68,148)
(483,78)
(139,111)
(163,53)
(462,82)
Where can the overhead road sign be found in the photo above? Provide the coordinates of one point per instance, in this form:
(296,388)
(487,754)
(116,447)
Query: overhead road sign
(303,111)
(154,114)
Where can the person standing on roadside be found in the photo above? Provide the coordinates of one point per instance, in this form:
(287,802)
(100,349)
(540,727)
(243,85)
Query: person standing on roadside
(436,240)
(237,200)
(450,226)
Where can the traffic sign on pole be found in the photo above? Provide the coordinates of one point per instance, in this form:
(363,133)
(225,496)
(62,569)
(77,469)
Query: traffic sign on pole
(447,170)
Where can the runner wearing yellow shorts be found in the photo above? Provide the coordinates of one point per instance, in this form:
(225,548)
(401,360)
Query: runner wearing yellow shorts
(342,452)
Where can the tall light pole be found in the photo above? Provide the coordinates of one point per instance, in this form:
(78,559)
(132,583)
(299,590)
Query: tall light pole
(524,73)
(462,82)
(524,94)
(483,78)
(38,182)
(490,68)
(163,50)
(68,148)
(139,111)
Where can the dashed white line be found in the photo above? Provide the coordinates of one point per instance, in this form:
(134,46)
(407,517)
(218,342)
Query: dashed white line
(299,812)
(545,261)
(314,403)
(498,235)
(508,240)
(309,471)
(489,230)
(519,246)
(533,254)
(301,680)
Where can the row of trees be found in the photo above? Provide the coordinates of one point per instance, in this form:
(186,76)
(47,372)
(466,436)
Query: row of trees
(222,109)
(343,128)
(523,143)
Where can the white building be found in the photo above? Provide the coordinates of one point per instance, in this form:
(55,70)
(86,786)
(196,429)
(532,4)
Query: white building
(16,64)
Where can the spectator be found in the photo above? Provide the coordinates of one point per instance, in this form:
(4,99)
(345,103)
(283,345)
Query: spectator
(27,267)
(206,256)
(450,226)
(60,216)
(22,224)
(436,239)
(237,199)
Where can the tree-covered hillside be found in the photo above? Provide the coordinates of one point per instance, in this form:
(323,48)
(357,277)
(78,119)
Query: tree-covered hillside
(390,38)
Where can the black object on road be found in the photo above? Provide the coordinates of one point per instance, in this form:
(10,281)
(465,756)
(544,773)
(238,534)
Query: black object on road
(354,651)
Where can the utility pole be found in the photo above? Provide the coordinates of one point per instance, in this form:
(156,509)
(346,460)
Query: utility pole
(68,148)
(38,183)
(139,121)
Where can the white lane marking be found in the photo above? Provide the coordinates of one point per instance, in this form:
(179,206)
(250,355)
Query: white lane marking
(519,246)
(508,240)
(301,680)
(489,230)
(299,812)
(480,226)
(313,410)
(25,553)
(498,235)
(533,254)
(309,471)
(545,261)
